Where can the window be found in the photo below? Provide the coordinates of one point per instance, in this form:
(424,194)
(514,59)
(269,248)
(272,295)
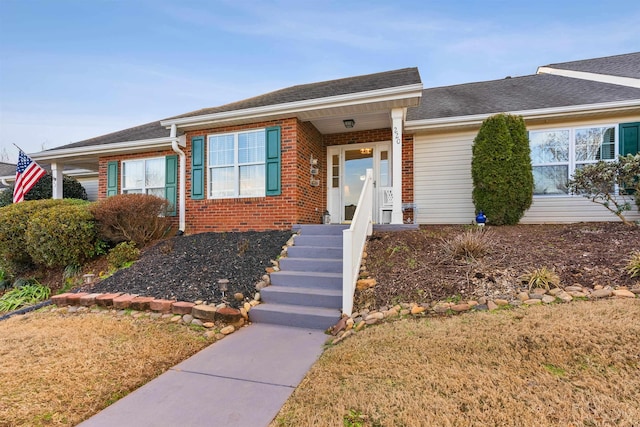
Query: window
(147,176)
(556,154)
(237,164)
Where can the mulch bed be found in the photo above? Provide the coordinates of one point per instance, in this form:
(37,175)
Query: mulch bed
(412,266)
(187,268)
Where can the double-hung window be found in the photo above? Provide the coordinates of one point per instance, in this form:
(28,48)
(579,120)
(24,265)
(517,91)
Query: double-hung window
(146,176)
(556,154)
(237,164)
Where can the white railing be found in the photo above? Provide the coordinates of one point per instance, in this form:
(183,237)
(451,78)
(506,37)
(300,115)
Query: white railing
(353,240)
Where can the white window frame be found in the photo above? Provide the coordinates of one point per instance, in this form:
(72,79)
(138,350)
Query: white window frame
(143,189)
(236,165)
(572,162)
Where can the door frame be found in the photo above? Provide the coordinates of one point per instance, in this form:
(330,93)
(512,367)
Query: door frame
(335,194)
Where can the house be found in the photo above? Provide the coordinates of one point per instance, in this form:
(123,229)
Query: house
(5,170)
(286,157)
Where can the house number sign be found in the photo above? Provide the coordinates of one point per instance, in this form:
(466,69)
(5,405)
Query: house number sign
(396,135)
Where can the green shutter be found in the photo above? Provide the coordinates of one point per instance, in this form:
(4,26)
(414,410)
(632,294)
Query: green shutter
(272,173)
(171,184)
(197,168)
(112,178)
(629,138)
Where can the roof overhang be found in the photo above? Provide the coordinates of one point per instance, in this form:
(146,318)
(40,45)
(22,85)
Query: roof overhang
(87,156)
(541,114)
(312,109)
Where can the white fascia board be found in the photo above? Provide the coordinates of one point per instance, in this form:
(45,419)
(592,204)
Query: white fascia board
(602,78)
(541,113)
(114,148)
(291,108)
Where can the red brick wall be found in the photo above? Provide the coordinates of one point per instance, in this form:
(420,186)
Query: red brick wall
(375,135)
(407,173)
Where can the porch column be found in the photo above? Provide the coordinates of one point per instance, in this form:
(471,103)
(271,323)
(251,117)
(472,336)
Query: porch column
(56,180)
(397,119)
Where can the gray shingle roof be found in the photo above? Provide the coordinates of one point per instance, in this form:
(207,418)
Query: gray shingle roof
(7,169)
(627,65)
(516,94)
(346,86)
(138,133)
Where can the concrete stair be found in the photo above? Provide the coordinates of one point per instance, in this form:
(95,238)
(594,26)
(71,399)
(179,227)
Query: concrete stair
(307,291)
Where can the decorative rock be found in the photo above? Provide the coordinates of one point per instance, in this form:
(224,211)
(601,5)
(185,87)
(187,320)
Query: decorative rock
(257,296)
(404,312)
(601,293)
(187,318)
(554,291)
(390,313)
(573,288)
(198,302)
(209,325)
(350,323)
(339,326)
(473,303)
(342,337)
(481,307)
(266,278)
(548,299)
(501,302)
(219,336)
(460,307)
(371,321)
(72,309)
(441,308)
(577,294)
(239,296)
(195,322)
(532,301)
(635,290)
(363,284)
(491,305)
(523,296)
(176,318)
(228,315)
(155,316)
(598,287)
(182,307)
(360,325)
(417,309)
(535,296)
(624,293)
(375,315)
(261,285)
(210,335)
(221,305)
(204,312)
(227,330)
(244,313)
(539,291)
(253,303)
(247,306)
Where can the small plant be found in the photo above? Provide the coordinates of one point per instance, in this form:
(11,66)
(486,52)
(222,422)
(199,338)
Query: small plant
(354,419)
(27,291)
(5,283)
(633,264)
(470,245)
(541,278)
(123,255)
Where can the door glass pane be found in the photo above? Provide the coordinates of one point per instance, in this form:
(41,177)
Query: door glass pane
(335,171)
(384,169)
(356,162)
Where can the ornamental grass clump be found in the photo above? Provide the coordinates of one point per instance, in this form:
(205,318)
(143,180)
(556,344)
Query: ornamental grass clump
(25,292)
(470,245)
(633,264)
(541,278)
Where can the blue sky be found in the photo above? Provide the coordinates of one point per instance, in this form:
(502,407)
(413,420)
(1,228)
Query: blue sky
(75,69)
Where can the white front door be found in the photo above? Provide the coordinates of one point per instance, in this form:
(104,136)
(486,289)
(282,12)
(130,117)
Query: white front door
(346,168)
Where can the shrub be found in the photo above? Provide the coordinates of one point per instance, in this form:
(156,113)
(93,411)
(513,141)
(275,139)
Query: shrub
(27,292)
(14,220)
(71,189)
(541,278)
(596,182)
(131,217)
(501,169)
(633,264)
(470,245)
(61,236)
(122,254)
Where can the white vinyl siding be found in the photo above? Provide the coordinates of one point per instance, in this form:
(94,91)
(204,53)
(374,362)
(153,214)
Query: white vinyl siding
(91,187)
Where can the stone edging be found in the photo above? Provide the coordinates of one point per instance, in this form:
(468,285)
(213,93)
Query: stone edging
(347,326)
(197,313)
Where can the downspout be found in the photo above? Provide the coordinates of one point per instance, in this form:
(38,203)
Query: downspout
(183,185)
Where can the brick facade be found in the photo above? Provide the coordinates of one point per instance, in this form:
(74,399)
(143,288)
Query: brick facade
(299,202)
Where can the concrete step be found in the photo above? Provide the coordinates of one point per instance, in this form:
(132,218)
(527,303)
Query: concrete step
(314,252)
(310,297)
(311,265)
(321,229)
(307,279)
(318,240)
(295,315)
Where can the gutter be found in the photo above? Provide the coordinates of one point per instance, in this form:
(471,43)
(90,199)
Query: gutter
(182,212)
(540,113)
(115,148)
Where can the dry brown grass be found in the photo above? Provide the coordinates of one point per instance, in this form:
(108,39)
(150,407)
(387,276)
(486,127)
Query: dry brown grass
(60,369)
(568,365)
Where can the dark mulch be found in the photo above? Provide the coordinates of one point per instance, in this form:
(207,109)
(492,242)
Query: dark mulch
(412,266)
(187,268)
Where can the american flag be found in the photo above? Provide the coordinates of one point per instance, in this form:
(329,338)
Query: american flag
(28,173)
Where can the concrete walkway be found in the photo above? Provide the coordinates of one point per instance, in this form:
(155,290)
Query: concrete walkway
(242,380)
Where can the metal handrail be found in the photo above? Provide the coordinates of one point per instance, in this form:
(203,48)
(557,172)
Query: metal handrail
(353,240)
